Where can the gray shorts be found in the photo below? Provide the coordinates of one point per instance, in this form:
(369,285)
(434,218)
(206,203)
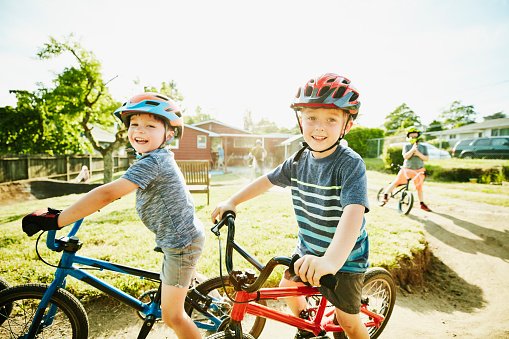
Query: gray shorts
(347,293)
(179,263)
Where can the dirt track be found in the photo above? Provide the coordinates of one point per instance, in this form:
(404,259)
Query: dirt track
(465,295)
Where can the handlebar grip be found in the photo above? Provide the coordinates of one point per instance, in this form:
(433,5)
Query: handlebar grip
(327,280)
(228,214)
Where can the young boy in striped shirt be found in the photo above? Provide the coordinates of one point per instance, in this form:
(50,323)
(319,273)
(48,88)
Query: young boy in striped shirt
(329,193)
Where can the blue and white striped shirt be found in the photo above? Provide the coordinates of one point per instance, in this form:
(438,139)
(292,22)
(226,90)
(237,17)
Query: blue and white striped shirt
(321,188)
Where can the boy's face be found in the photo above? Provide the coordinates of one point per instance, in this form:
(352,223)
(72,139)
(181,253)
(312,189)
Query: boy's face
(322,127)
(146,133)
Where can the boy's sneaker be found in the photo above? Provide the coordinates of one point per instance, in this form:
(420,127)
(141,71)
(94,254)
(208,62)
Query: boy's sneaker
(424,207)
(301,334)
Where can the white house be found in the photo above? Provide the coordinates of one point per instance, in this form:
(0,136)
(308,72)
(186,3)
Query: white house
(487,128)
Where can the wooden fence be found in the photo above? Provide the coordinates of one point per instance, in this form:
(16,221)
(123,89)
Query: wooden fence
(59,167)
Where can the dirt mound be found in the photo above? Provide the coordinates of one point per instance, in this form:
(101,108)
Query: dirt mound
(40,189)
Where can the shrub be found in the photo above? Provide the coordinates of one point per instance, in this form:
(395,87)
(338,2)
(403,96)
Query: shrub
(393,157)
(358,139)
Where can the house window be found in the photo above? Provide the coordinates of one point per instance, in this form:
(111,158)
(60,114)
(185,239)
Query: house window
(499,132)
(174,144)
(452,136)
(201,141)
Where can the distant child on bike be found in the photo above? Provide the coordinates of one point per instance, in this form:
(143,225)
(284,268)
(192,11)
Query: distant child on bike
(162,201)
(329,194)
(414,154)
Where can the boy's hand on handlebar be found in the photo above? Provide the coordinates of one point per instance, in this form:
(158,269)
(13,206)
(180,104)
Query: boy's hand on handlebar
(311,268)
(220,209)
(41,220)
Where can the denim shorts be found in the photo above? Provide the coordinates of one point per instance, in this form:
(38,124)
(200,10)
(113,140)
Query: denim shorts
(179,263)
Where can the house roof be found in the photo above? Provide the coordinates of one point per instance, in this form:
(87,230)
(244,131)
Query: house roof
(493,123)
(206,131)
(219,123)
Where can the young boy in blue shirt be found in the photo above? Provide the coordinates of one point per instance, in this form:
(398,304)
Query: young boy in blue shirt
(329,193)
(162,201)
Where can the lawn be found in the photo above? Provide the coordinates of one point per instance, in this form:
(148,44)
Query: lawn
(266,227)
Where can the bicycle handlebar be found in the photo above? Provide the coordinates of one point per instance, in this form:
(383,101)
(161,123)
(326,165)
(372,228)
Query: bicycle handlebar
(228,218)
(53,244)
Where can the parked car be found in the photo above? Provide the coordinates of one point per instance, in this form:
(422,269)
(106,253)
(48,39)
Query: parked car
(460,146)
(487,147)
(433,152)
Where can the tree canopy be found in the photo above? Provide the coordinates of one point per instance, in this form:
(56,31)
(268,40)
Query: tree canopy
(458,115)
(401,118)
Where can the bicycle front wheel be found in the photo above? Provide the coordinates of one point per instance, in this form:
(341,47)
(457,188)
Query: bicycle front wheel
(380,292)
(68,321)
(406,202)
(220,306)
(380,196)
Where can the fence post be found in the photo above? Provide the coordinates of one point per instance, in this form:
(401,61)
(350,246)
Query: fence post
(28,167)
(90,161)
(67,168)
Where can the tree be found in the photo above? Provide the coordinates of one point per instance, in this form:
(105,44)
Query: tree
(401,118)
(265,126)
(169,89)
(498,115)
(458,115)
(198,116)
(248,121)
(434,126)
(81,98)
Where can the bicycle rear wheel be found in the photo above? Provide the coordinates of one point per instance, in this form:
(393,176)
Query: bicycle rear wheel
(221,306)
(69,321)
(6,309)
(406,202)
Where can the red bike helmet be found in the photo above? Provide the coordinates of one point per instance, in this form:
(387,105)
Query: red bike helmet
(328,90)
(156,104)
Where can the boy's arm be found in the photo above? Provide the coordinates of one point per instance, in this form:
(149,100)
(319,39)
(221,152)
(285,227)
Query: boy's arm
(312,268)
(95,200)
(254,189)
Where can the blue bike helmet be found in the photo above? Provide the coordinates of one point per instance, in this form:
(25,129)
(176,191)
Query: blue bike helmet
(156,104)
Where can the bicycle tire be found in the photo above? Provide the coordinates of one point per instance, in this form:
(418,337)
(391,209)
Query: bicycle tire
(406,202)
(223,335)
(6,309)
(380,197)
(70,320)
(222,305)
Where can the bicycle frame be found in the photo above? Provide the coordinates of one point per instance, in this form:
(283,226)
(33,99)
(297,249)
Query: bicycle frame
(249,290)
(70,244)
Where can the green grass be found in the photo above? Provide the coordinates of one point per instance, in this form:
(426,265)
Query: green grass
(266,228)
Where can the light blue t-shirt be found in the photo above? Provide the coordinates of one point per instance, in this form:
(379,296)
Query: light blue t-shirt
(321,188)
(163,201)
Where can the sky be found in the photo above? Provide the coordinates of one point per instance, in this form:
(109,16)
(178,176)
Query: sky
(230,57)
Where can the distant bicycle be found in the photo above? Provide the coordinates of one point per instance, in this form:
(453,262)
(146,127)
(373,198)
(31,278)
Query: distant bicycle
(402,193)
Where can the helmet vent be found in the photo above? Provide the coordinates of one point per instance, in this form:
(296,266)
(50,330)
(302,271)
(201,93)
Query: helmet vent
(151,103)
(354,96)
(323,90)
(331,80)
(162,97)
(345,81)
(339,93)
(309,91)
